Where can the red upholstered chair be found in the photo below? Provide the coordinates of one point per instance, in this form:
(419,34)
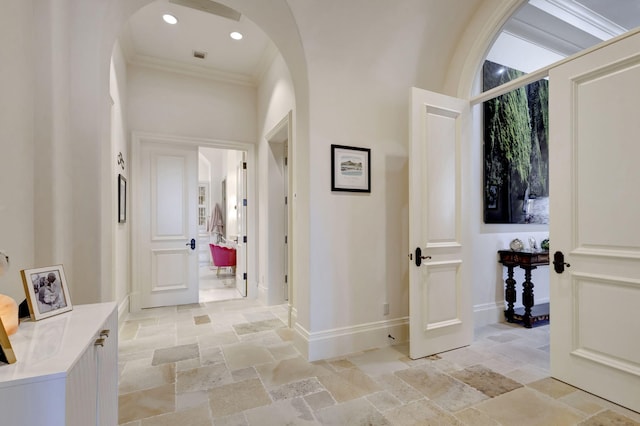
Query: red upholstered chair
(223,257)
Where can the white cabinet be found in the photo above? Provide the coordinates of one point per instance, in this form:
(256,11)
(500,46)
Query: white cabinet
(62,377)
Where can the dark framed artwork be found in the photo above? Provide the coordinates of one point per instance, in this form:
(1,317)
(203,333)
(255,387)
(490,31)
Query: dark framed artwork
(122,199)
(516,150)
(350,169)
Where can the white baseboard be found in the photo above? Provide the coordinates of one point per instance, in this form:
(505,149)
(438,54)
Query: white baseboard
(488,313)
(492,313)
(342,341)
(123,309)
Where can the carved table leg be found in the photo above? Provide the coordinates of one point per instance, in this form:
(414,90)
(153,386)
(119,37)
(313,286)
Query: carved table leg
(527,296)
(510,294)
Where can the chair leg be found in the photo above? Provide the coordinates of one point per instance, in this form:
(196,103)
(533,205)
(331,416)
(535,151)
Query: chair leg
(217,271)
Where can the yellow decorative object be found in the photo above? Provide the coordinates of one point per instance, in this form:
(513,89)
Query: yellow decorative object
(9,314)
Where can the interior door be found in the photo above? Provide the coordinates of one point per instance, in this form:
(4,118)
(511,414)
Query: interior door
(594,208)
(241,209)
(168,269)
(439,290)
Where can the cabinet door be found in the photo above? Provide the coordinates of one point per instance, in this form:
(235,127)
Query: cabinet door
(82,390)
(107,358)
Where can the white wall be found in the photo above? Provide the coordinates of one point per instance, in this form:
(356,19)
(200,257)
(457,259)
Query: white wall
(17,167)
(176,104)
(120,145)
(359,79)
(275,99)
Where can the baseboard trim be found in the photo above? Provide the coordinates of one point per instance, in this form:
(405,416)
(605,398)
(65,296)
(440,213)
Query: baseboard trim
(123,309)
(346,340)
(492,313)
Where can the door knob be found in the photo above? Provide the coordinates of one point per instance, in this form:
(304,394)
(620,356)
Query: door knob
(420,257)
(192,244)
(559,263)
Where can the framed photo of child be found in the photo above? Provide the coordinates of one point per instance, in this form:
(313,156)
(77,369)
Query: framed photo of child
(47,291)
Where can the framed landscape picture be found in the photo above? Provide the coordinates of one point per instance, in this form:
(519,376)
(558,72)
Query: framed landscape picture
(350,169)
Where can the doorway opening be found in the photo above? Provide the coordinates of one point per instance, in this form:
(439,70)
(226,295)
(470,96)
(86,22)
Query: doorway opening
(222,236)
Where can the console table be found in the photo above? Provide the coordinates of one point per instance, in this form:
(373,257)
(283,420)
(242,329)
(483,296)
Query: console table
(527,260)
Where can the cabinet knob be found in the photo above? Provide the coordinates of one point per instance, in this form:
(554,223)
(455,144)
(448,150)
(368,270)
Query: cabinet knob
(105,333)
(99,342)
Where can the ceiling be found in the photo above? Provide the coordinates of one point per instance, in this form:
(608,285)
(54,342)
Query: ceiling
(148,40)
(562,26)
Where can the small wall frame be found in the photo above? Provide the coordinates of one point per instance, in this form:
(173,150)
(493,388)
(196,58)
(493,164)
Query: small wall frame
(350,169)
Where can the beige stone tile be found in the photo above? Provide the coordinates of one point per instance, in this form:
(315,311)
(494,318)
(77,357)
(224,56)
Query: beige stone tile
(203,378)
(340,364)
(176,353)
(286,334)
(217,339)
(399,388)
(552,387)
(320,400)
(383,400)
(447,392)
(471,416)
(146,403)
(421,412)
(191,399)
(196,416)
(233,420)
(289,370)
(283,351)
(201,319)
(235,397)
(287,412)
(486,381)
(296,389)
(379,361)
(527,374)
(609,418)
(145,377)
(135,423)
(526,407)
(243,355)
(354,412)
(349,384)
(146,344)
(583,401)
(211,355)
(167,331)
(258,326)
(244,374)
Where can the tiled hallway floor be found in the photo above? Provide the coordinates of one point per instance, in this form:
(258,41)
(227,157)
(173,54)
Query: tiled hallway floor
(233,363)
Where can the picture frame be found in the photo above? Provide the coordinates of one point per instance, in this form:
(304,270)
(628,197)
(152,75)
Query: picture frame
(350,169)
(122,199)
(47,291)
(7,355)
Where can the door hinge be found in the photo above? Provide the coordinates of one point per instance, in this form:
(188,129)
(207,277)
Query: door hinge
(244,276)
(286,161)
(286,240)
(244,165)
(286,200)
(244,202)
(244,239)
(286,279)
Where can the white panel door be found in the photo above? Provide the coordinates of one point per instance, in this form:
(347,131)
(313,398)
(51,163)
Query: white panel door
(439,289)
(241,210)
(168,222)
(594,209)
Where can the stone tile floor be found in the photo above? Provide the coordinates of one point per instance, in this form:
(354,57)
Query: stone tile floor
(233,363)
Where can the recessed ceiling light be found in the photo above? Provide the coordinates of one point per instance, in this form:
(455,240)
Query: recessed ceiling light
(236,35)
(170,19)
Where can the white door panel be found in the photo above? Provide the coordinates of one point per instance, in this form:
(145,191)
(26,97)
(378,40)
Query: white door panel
(168,270)
(595,337)
(440,293)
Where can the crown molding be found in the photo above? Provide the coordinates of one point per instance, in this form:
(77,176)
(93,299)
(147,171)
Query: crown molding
(192,70)
(576,14)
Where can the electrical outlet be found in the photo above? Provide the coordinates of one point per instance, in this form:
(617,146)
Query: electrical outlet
(385,309)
